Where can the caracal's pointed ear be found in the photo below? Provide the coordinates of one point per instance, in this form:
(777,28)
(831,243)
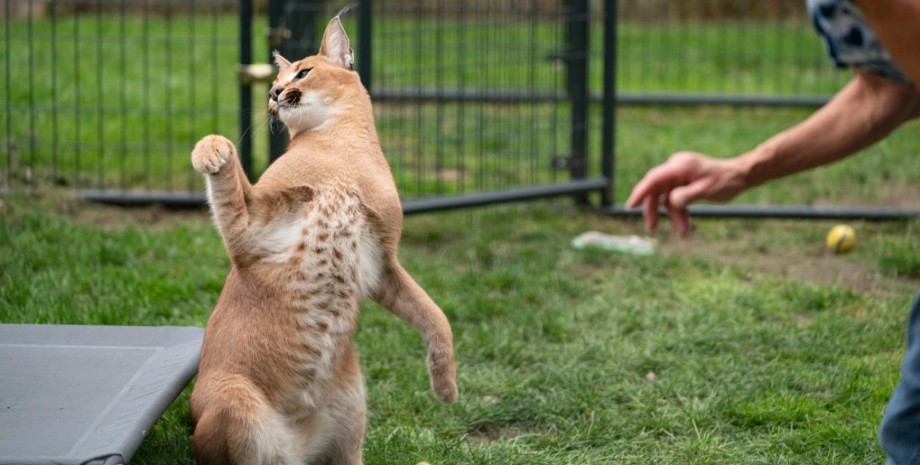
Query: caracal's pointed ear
(281,62)
(335,46)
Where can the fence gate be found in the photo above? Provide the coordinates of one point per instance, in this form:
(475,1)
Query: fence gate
(476,101)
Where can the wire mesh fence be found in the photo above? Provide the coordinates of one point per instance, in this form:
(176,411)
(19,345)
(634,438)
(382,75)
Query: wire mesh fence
(477,96)
(722,52)
(108,94)
(471,96)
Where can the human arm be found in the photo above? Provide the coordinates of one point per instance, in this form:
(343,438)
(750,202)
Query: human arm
(867,109)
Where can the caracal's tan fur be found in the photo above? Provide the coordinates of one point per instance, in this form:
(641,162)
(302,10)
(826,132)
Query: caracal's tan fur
(279,380)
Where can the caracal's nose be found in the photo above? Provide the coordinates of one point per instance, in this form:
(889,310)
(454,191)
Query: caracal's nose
(275,92)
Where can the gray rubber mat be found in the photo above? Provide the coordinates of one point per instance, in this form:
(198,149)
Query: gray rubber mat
(87,394)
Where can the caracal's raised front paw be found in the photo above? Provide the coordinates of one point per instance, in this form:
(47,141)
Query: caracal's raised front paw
(212,153)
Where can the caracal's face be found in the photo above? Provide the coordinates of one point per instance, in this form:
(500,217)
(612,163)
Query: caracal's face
(312,93)
(305,94)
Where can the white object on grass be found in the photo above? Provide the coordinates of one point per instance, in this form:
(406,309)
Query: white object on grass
(630,244)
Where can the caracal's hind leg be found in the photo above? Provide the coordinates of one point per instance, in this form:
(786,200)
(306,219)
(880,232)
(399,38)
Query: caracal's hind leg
(402,296)
(346,408)
(234,425)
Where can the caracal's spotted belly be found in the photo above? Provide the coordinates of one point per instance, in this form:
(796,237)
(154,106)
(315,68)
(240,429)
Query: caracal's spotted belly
(329,261)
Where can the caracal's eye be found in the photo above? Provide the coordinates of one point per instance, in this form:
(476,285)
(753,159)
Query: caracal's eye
(303,73)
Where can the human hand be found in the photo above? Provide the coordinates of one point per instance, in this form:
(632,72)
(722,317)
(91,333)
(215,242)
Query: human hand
(684,178)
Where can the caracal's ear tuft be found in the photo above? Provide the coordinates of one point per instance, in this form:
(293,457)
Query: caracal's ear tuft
(335,46)
(346,9)
(280,61)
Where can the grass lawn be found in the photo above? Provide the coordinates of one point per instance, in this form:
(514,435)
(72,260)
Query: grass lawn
(747,343)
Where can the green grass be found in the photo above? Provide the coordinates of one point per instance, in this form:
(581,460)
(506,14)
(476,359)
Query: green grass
(747,343)
(719,349)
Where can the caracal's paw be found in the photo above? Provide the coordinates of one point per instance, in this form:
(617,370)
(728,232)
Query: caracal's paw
(212,153)
(446,390)
(443,376)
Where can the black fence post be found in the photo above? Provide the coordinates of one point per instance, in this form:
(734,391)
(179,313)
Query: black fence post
(608,123)
(245,145)
(577,84)
(365,44)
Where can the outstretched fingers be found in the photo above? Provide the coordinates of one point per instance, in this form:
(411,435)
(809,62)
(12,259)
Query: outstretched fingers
(653,191)
(682,196)
(679,216)
(650,212)
(672,185)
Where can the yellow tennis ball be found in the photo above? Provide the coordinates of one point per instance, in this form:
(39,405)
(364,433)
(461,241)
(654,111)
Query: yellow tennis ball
(841,239)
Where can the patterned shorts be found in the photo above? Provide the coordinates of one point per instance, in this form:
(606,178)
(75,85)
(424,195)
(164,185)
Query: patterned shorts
(849,39)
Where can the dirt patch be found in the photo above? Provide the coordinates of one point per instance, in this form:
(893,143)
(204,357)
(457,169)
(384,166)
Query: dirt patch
(484,434)
(105,217)
(157,218)
(763,251)
(888,193)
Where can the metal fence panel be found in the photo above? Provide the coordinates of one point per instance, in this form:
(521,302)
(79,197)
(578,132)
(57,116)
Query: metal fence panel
(485,100)
(478,96)
(109,95)
(722,52)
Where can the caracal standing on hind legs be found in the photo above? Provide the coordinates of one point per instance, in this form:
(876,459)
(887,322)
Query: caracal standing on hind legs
(279,380)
